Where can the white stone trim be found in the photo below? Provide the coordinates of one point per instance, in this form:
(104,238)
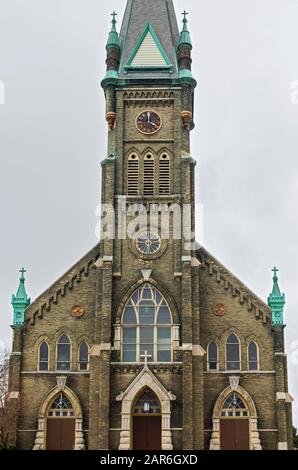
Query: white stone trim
(282,446)
(145,379)
(281,396)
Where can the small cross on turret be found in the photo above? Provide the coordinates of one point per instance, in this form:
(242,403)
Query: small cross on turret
(184,13)
(275,270)
(114,14)
(23,271)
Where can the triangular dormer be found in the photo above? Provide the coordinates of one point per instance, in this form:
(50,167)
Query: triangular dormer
(149,53)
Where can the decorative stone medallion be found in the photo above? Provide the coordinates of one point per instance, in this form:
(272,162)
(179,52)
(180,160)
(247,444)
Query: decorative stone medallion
(77,311)
(219,310)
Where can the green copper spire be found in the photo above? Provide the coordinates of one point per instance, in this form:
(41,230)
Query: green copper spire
(113,39)
(20,302)
(185,34)
(276,301)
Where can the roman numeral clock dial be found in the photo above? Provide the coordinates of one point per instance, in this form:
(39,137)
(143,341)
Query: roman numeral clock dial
(148,122)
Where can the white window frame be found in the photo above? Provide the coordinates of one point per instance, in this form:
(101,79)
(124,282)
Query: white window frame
(155,327)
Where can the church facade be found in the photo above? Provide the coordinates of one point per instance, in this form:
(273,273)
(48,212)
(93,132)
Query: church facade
(148,341)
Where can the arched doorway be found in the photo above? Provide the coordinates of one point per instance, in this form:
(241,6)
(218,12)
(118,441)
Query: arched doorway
(63,405)
(61,424)
(234,424)
(235,416)
(147,422)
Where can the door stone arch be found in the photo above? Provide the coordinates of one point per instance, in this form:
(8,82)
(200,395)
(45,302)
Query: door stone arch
(254,436)
(40,440)
(145,379)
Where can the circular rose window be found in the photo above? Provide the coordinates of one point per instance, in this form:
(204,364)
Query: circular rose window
(148,243)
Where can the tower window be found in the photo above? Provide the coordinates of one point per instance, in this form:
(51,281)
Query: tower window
(149,174)
(233,353)
(147,326)
(133,175)
(253,356)
(212,356)
(63,353)
(43,357)
(164,174)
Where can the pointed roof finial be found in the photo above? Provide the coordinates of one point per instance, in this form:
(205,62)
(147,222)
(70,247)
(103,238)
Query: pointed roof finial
(20,302)
(184,35)
(113,39)
(276,301)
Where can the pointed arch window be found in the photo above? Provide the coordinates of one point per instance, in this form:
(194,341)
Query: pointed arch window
(147,326)
(212,356)
(61,407)
(233,360)
(234,407)
(149,175)
(253,356)
(133,175)
(164,174)
(43,355)
(84,356)
(63,353)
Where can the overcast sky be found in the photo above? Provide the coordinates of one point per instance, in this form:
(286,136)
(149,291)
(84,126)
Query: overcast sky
(53,137)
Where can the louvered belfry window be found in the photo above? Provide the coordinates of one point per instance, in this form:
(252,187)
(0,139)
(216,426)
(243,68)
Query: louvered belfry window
(133,175)
(164,175)
(149,172)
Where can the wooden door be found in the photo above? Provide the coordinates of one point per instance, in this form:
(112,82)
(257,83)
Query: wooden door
(234,434)
(61,434)
(147,433)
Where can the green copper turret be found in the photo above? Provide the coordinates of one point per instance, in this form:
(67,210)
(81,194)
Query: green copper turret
(113,39)
(20,302)
(185,39)
(276,301)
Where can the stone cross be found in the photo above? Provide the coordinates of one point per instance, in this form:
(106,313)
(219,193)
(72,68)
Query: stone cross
(146,356)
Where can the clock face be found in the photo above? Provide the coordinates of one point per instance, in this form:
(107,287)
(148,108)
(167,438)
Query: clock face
(148,122)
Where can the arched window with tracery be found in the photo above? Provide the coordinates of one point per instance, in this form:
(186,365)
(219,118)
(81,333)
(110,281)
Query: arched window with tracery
(147,326)
(147,403)
(63,353)
(234,407)
(253,356)
(61,407)
(233,360)
(43,357)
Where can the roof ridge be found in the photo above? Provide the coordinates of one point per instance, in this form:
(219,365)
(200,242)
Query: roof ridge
(236,287)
